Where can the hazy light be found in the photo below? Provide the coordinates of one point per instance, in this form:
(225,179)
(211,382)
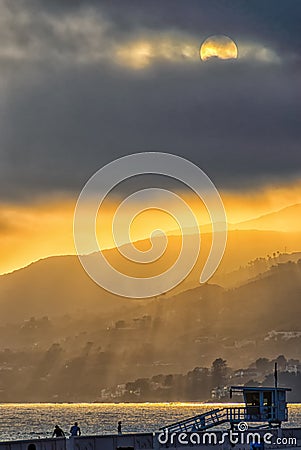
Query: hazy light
(140,54)
(23,227)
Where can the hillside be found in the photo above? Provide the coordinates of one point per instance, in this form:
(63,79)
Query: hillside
(59,285)
(92,342)
(288,219)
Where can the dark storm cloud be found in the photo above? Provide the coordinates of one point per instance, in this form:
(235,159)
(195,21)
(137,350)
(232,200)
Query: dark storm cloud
(275,21)
(69,105)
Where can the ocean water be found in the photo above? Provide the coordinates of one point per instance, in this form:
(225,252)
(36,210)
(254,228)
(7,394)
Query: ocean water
(32,421)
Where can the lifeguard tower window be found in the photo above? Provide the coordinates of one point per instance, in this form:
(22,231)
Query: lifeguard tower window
(267,398)
(253,404)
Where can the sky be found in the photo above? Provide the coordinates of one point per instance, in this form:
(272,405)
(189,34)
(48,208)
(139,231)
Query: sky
(85,82)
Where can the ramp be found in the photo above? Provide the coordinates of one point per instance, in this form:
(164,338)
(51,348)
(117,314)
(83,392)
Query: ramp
(200,422)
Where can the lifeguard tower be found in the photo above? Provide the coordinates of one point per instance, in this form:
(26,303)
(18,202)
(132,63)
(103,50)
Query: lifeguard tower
(264,407)
(262,404)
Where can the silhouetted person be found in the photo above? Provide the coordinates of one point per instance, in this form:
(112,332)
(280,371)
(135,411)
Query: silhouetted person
(75,430)
(119,427)
(58,432)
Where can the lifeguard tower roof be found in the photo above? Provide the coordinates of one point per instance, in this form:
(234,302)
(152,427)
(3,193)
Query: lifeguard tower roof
(257,388)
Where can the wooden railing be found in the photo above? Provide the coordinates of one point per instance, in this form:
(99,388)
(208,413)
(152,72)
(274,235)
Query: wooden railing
(231,414)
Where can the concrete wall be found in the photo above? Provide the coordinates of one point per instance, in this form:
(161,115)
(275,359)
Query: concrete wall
(35,444)
(112,442)
(140,441)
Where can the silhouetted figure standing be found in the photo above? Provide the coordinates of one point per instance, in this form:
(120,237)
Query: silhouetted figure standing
(58,432)
(75,430)
(119,427)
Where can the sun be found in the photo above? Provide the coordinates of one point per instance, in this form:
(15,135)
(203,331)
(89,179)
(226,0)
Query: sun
(218,46)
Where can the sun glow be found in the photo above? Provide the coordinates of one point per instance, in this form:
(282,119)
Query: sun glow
(29,232)
(136,55)
(142,53)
